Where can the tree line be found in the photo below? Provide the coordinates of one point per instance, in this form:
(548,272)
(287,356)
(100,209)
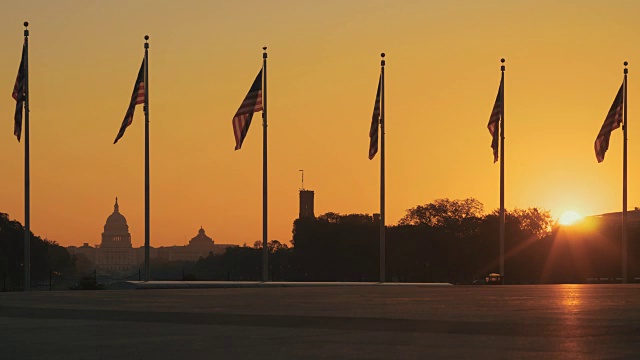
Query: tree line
(442,241)
(48,258)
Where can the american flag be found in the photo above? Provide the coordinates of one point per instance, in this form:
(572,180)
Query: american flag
(19,95)
(494,123)
(252,103)
(138,97)
(611,122)
(375,124)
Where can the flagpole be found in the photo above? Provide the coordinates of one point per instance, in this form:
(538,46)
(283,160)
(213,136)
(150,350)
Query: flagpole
(147,228)
(502,212)
(265,249)
(382,183)
(624,181)
(27,180)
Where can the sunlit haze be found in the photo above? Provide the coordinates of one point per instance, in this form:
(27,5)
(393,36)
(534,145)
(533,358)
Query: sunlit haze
(563,68)
(569,218)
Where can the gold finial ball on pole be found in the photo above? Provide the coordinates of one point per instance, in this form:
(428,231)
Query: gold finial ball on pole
(146,38)
(502,60)
(382,55)
(26,24)
(626,63)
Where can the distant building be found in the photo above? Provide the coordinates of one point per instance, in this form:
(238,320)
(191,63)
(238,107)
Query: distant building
(115,252)
(633,217)
(199,246)
(116,256)
(306,204)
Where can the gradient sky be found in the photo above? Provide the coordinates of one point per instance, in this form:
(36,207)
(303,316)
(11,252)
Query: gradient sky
(564,66)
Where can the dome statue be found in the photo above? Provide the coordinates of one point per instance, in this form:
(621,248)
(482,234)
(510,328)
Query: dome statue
(116,231)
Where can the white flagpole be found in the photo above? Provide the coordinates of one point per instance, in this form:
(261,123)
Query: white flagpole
(147,227)
(502,210)
(624,181)
(382,173)
(27,178)
(265,248)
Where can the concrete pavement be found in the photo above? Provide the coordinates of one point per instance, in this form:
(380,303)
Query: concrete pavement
(325,322)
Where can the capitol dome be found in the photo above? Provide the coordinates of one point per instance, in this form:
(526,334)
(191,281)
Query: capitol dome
(116,230)
(201,240)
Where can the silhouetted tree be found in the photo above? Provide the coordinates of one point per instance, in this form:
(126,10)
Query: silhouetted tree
(335,247)
(46,256)
(443,213)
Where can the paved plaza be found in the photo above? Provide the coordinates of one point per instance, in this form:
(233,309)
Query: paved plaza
(325,322)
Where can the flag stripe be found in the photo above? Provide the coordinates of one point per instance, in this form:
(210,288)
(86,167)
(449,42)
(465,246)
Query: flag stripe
(375,124)
(141,94)
(137,97)
(611,122)
(18,94)
(494,122)
(251,104)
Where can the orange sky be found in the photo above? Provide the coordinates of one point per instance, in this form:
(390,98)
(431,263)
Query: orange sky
(564,66)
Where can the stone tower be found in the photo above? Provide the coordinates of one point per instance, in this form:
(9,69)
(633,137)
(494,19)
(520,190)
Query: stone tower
(306,204)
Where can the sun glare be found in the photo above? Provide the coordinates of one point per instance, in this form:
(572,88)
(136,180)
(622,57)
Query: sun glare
(569,218)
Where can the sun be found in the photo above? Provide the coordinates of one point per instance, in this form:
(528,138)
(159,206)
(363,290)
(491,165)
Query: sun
(569,217)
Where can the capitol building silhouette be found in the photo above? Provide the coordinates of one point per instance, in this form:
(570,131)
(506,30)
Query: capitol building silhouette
(115,255)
